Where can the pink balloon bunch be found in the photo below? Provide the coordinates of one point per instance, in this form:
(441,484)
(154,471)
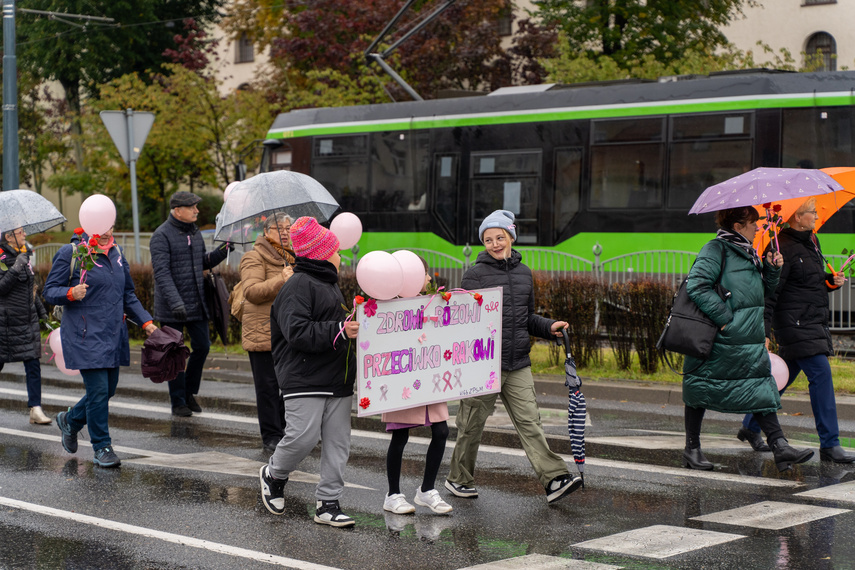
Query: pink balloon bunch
(347,228)
(779,371)
(97,214)
(55,342)
(380,275)
(386,275)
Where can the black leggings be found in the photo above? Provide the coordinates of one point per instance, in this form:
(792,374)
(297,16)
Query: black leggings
(694,417)
(433,459)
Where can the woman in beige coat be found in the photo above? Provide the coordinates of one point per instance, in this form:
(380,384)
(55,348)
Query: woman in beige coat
(263,271)
(398,423)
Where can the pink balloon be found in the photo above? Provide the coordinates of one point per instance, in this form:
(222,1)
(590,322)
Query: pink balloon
(97,214)
(380,275)
(779,370)
(55,342)
(348,229)
(413,270)
(229,189)
(60,364)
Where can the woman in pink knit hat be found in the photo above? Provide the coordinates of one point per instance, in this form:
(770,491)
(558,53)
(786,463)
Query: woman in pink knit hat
(315,363)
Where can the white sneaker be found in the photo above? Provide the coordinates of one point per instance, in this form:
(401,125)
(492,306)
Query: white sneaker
(398,504)
(432,500)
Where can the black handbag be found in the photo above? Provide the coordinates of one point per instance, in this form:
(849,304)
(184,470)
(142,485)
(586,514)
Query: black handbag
(688,330)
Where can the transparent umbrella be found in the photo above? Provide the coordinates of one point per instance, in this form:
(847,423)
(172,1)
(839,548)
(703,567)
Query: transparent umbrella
(29,210)
(263,195)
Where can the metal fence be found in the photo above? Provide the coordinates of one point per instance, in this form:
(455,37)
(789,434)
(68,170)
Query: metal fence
(670,266)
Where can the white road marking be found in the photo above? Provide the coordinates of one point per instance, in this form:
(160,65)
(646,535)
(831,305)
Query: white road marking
(591,461)
(771,515)
(841,492)
(165,536)
(211,461)
(613,464)
(541,562)
(658,541)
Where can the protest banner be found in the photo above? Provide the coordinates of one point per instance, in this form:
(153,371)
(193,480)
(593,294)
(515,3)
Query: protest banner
(424,350)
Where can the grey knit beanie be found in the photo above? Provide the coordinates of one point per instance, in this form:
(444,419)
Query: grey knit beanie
(498,219)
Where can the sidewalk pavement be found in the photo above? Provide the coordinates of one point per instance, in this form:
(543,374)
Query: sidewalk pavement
(551,390)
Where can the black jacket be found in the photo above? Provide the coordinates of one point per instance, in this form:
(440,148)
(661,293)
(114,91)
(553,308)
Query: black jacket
(797,312)
(305,318)
(518,317)
(178,258)
(20,310)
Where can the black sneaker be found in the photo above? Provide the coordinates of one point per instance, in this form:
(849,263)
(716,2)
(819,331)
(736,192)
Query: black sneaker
(193,404)
(105,457)
(272,491)
(461,490)
(69,437)
(328,512)
(182,411)
(562,486)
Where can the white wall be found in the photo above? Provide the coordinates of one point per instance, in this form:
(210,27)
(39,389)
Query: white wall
(789,24)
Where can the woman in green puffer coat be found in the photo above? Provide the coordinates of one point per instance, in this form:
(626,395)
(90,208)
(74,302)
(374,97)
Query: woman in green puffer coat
(737,377)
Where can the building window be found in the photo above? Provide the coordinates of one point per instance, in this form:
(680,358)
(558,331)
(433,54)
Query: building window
(822,49)
(244,50)
(505,20)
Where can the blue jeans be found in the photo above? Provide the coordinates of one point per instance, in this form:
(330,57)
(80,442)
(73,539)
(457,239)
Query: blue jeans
(188,382)
(821,388)
(92,409)
(33,370)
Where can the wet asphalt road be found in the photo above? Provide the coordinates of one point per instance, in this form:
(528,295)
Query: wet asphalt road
(187,494)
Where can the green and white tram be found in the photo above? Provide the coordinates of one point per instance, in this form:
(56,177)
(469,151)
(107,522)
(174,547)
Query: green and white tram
(614,164)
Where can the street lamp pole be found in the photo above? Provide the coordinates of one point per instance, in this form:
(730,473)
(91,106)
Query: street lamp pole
(10,99)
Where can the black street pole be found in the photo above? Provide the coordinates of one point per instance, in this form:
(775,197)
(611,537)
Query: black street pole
(10,99)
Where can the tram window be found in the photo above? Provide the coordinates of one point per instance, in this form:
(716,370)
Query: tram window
(445,176)
(399,162)
(346,180)
(568,184)
(626,176)
(628,130)
(695,166)
(710,126)
(518,195)
(350,145)
(505,163)
(817,137)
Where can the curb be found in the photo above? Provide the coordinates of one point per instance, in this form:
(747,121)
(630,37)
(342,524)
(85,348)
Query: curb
(550,389)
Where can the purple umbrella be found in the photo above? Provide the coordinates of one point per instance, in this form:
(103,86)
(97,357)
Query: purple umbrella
(763,185)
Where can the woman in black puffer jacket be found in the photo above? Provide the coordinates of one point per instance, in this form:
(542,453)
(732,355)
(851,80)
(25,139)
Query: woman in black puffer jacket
(20,311)
(501,266)
(797,314)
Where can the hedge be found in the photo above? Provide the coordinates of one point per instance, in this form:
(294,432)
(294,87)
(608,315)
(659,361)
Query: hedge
(626,316)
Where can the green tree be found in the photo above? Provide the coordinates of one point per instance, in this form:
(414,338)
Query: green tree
(626,30)
(196,138)
(83,58)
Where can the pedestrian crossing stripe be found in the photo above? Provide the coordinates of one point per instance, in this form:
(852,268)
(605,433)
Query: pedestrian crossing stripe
(771,515)
(658,541)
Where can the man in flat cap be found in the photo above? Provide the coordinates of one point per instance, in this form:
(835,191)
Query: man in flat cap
(178,258)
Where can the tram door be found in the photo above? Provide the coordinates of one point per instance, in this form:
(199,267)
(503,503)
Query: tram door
(506,180)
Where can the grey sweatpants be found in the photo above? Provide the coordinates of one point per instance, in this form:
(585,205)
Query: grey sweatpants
(308,420)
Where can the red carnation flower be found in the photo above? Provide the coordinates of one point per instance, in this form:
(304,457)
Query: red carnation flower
(446,296)
(767,205)
(359,299)
(78,231)
(776,207)
(478,297)
(93,242)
